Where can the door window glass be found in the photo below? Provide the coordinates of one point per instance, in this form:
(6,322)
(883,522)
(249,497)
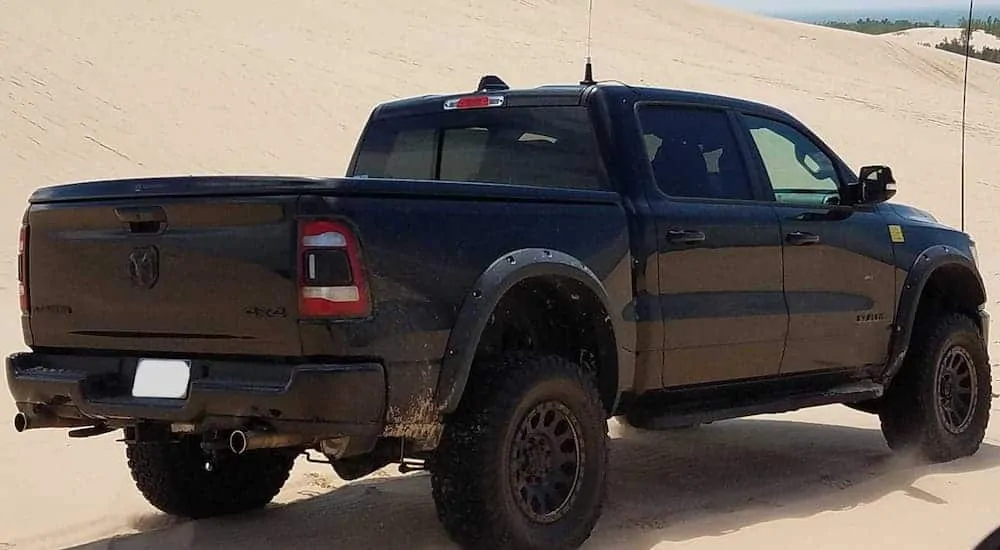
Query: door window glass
(693,153)
(799,171)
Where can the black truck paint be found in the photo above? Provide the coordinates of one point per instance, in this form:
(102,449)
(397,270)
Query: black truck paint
(691,308)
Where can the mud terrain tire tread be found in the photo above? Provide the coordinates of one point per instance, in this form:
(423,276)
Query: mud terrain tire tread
(172,477)
(908,415)
(471,492)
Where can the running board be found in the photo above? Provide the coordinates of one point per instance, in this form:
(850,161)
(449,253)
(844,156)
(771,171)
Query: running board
(666,413)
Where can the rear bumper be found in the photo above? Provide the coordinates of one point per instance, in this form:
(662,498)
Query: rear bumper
(323,399)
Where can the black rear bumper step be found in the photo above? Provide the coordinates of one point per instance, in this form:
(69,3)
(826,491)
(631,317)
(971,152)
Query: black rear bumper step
(328,399)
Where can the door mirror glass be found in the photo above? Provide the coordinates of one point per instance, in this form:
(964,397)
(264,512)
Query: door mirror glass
(877,184)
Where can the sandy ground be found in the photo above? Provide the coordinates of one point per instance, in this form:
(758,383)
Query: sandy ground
(123,88)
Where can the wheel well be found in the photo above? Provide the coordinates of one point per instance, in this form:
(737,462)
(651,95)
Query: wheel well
(952,288)
(560,316)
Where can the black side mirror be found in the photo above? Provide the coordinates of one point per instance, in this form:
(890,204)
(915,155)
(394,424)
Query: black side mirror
(877,184)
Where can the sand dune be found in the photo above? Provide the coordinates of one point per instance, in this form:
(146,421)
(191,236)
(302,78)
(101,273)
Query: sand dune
(123,88)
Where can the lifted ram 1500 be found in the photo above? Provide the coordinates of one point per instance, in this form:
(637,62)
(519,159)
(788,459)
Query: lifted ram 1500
(500,273)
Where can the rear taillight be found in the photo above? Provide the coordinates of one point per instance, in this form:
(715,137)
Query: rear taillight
(332,281)
(22,269)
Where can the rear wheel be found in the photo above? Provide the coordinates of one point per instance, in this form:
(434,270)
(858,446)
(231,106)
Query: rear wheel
(173,478)
(522,463)
(939,404)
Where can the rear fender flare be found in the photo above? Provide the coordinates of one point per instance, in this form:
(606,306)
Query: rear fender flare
(505,272)
(926,264)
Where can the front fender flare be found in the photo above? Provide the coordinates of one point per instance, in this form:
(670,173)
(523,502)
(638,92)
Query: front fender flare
(926,264)
(474,314)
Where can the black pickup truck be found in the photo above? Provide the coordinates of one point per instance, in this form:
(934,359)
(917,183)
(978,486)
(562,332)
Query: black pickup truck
(500,273)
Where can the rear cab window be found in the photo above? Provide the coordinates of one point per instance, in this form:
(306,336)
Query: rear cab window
(540,146)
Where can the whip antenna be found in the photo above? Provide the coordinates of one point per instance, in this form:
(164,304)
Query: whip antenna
(588,71)
(965,98)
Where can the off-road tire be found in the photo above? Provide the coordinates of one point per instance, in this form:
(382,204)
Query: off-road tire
(471,471)
(172,477)
(911,417)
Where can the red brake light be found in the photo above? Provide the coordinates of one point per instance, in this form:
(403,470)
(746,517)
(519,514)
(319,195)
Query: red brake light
(474,102)
(332,282)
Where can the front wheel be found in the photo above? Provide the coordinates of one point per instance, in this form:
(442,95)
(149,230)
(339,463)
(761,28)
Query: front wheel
(939,404)
(522,463)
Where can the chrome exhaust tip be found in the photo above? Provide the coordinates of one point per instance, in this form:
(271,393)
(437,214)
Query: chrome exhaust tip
(242,441)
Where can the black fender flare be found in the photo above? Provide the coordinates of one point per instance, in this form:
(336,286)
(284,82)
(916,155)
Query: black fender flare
(925,265)
(479,304)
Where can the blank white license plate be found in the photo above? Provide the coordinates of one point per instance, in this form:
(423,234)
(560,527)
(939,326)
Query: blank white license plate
(163,378)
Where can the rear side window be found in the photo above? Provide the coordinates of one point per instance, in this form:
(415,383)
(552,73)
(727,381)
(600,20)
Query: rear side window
(694,153)
(537,146)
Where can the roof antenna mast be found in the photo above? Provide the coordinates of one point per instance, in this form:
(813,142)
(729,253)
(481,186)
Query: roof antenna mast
(588,71)
(965,96)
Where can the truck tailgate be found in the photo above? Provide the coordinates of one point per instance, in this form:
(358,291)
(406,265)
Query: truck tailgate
(161,274)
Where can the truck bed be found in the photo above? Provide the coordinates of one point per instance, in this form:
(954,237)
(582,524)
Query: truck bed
(207,265)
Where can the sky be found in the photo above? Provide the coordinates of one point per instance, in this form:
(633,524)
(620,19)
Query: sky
(797,5)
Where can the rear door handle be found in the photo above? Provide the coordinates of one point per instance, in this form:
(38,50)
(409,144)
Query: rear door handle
(685,236)
(801,238)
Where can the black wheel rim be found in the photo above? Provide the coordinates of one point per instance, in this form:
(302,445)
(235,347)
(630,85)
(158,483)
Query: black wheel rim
(957,390)
(546,462)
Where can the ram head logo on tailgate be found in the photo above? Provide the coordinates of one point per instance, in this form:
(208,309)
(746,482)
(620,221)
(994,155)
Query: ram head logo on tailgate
(144,266)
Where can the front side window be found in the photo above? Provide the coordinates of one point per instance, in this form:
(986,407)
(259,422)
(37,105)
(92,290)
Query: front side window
(799,171)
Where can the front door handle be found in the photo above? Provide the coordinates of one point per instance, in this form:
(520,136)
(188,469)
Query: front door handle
(801,238)
(685,236)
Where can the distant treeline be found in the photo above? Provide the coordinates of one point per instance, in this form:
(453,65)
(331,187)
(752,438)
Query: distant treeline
(868,25)
(991,25)
(957,45)
(880,26)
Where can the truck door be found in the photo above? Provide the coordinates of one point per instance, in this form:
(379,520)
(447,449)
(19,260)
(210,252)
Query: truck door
(838,269)
(719,250)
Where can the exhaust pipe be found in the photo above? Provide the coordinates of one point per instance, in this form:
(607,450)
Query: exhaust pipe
(20,422)
(241,441)
(24,422)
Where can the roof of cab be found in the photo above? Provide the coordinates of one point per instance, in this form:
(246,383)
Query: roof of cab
(565,94)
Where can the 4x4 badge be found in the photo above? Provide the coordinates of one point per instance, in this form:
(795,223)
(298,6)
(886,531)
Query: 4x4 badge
(144,266)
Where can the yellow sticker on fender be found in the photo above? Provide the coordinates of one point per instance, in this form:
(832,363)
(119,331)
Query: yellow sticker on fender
(896,234)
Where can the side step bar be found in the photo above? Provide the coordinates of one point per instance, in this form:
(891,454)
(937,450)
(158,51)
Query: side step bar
(665,413)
